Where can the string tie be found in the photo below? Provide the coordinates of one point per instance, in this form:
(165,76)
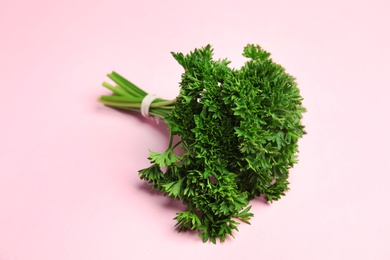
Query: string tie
(145,105)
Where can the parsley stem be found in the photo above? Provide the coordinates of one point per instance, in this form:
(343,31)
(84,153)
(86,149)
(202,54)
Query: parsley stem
(160,108)
(128,96)
(163,103)
(176,145)
(170,140)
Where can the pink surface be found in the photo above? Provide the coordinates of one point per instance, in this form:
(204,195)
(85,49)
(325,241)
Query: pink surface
(69,187)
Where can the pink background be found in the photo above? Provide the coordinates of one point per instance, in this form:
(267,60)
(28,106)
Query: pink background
(69,187)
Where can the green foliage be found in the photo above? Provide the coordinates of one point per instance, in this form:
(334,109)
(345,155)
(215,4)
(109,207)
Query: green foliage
(238,130)
(167,158)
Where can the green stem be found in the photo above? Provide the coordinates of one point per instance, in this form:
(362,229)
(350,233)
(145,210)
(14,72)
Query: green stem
(170,141)
(163,103)
(176,145)
(128,96)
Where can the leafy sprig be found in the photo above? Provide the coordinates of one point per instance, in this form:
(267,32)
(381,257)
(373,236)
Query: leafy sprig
(238,131)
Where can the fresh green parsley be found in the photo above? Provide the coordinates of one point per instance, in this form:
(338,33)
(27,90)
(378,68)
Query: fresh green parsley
(239,132)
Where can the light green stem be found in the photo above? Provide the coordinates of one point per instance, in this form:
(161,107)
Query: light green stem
(128,96)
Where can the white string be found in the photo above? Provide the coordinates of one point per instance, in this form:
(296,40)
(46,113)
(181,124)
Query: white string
(145,104)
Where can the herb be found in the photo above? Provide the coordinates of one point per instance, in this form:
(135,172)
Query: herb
(238,132)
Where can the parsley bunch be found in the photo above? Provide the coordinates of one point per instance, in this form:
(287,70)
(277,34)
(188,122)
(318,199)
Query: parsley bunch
(238,131)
